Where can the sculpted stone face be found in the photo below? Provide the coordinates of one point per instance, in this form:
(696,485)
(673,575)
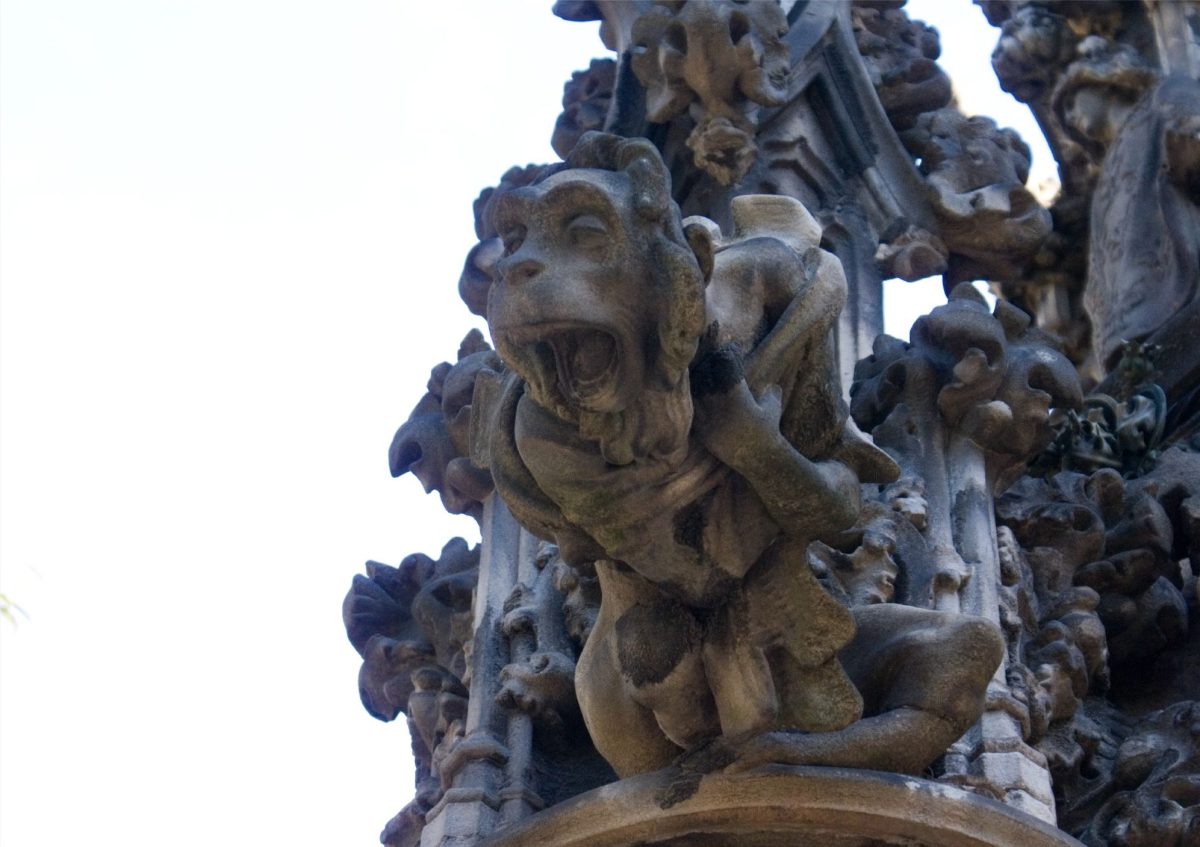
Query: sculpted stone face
(597,303)
(557,309)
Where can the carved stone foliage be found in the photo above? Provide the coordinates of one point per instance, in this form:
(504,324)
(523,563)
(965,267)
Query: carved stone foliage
(1035,44)
(718,60)
(963,407)
(1108,535)
(990,378)
(554,758)
(673,416)
(586,98)
(1094,607)
(1044,49)
(1113,86)
(540,679)
(433,443)
(1157,774)
(901,57)
(1124,436)
(1052,286)
(412,626)
(975,173)
(989,225)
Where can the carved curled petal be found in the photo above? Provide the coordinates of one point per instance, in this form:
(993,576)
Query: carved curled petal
(948,581)
(647,32)
(878,380)
(414,571)
(765,85)
(1014,320)
(475,281)
(422,447)
(452,702)
(578,10)
(368,610)
(913,255)
(1040,368)
(385,678)
(990,425)
(972,368)
(1036,380)
(542,686)
(975,381)
(763,79)
(1165,742)
(522,619)
(671,97)
(951,331)
(659,67)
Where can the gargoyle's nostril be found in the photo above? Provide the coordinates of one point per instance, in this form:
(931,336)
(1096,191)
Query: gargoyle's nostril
(524,271)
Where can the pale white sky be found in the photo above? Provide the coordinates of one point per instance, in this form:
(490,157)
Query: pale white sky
(230,235)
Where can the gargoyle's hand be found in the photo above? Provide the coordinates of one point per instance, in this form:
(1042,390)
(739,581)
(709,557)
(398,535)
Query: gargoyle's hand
(727,412)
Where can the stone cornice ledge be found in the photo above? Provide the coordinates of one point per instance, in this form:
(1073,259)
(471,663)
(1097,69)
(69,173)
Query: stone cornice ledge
(780,807)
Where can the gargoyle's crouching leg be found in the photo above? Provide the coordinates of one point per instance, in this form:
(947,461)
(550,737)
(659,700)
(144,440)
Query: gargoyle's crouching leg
(801,629)
(640,678)
(923,675)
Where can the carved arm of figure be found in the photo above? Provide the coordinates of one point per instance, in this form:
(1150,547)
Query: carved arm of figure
(775,295)
(804,497)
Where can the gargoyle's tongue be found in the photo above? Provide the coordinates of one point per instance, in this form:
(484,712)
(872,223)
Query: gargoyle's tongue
(583,358)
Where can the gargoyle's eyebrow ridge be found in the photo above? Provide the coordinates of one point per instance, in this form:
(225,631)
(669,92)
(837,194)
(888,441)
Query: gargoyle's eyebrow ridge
(578,192)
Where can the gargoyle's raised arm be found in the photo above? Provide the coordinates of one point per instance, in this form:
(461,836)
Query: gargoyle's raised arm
(805,497)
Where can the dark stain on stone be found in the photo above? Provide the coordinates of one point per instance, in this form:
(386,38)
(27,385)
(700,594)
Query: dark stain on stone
(716,369)
(680,788)
(689,527)
(653,638)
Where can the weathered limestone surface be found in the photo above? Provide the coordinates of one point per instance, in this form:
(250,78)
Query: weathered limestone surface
(782,807)
(715,602)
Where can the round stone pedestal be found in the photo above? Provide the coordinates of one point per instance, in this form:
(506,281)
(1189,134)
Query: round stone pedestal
(780,807)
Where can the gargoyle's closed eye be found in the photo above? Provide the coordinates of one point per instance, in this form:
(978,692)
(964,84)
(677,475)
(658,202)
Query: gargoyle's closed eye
(587,231)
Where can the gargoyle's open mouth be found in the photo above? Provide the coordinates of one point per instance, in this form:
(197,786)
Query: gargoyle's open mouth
(582,364)
(586,364)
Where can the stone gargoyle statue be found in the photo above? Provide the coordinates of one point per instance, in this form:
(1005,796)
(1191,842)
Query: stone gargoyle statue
(672,417)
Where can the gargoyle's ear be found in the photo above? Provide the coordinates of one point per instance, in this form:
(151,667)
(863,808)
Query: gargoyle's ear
(640,159)
(700,239)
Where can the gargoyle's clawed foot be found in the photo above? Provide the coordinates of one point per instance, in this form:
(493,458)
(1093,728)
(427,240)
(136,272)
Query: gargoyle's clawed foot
(773,748)
(712,755)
